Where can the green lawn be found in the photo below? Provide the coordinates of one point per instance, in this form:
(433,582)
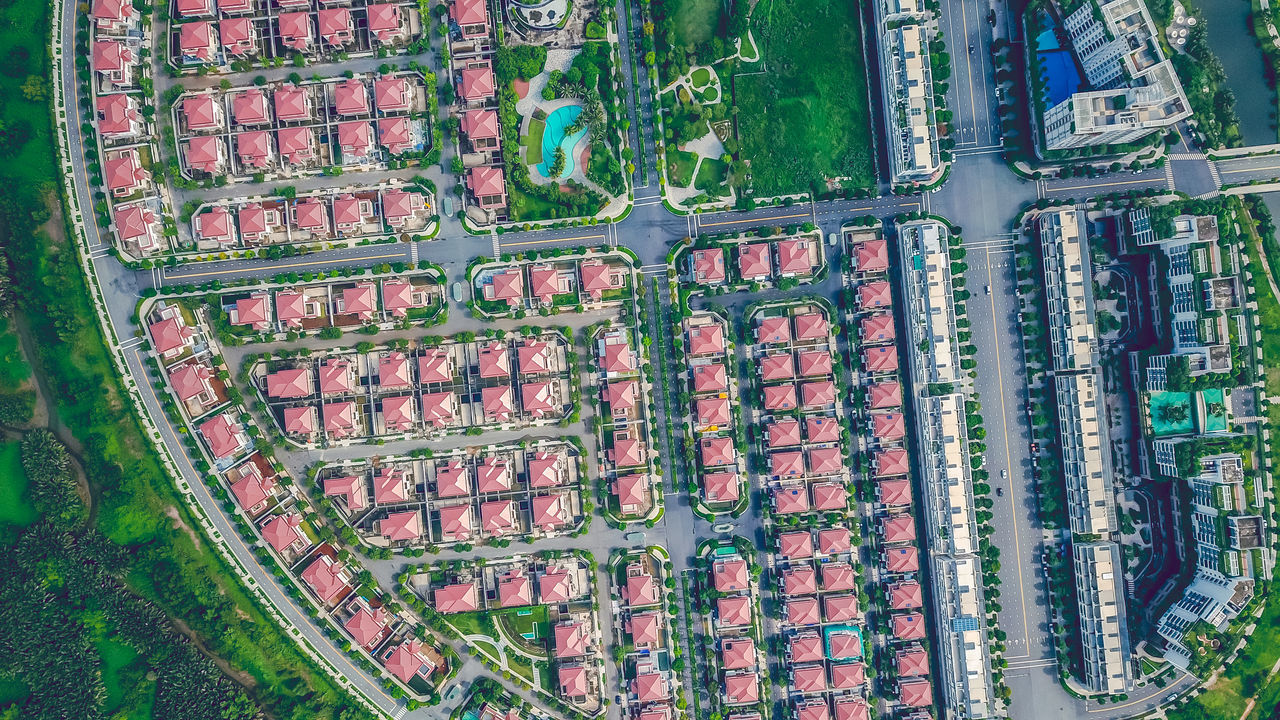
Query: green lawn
(680,165)
(700,77)
(711,177)
(14,508)
(533,142)
(695,21)
(13,368)
(807,118)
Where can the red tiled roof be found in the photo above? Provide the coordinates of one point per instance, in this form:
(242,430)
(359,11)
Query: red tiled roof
(457,522)
(875,295)
(573,680)
(291,102)
(899,528)
(339,419)
(840,608)
(251,491)
(793,257)
(544,282)
(650,687)
(598,276)
(902,559)
(117,10)
(800,581)
(830,496)
(480,124)
(195,39)
(391,94)
(754,262)
(882,358)
(537,399)
(777,366)
(729,574)
(877,328)
(300,420)
(905,595)
(815,362)
(237,35)
(813,710)
(389,486)
(716,451)
(289,383)
(494,360)
(851,709)
(469,12)
(406,661)
(477,81)
(891,462)
(254,310)
(549,511)
(708,266)
(713,411)
(194,8)
(825,429)
(627,452)
(296,144)
(493,475)
(367,627)
(788,463)
(350,488)
(825,461)
(783,433)
(514,590)
(170,334)
(335,376)
(570,639)
(797,544)
(224,435)
(384,20)
(718,487)
(706,339)
(355,137)
(459,597)
(399,205)
(741,687)
(250,107)
(189,381)
(915,693)
(885,395)
(452,479)
(871,256)
(838,577)
(809,678)
(401,526)
(618,358)
(803,611)
(806,647)
(888,426)
(895,492)
(780,397)
(631,490)
(811,326)
(845,676)
(393,371)
(734,611)
(774,331)
(834,540)
(554,587)
(641,590)
(434,366)
(818,393)
(119,114)
(544,469)
(645,629)
(253,149)
(295,31)
(323,577)
(350,97)
(909,626)
(912,662)
(110,55)
(621,395)
(201,111)
(487,182)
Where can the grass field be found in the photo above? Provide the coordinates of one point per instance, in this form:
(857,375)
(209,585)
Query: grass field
(14,508)
(700,77)
(711,177)
(533,142)
(807,118)
(680,167)
(696,21)
(13,367)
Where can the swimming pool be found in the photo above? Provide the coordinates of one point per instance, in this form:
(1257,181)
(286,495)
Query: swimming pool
(1057,66)
(554,137)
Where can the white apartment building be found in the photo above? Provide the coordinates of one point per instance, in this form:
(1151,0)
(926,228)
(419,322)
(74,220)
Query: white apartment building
(1068,289)
(1100,598)
(1086,456)
(1134,88)
(931,316)
(962,642)
(908,90)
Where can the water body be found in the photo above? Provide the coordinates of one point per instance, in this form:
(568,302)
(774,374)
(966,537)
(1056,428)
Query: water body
(1231,38)
(554,137)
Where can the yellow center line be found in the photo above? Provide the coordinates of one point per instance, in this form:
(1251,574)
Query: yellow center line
(1243,170)
(968,66)
(1008,461)
(551,240)
(1101,185)
(749,220)
(281,267)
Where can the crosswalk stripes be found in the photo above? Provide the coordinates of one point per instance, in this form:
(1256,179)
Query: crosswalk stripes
(413,254)
(497,248)
(1186,156)
(1213,173)
(1168,176)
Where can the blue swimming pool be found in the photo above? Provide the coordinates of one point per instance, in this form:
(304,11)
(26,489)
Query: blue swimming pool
(1057,66)
(554,136)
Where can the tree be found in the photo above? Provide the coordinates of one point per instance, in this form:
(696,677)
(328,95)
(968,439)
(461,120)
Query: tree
(35,88)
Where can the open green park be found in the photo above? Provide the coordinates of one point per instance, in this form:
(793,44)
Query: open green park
(779,89)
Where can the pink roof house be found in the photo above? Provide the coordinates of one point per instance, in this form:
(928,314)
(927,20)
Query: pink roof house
(337,377)
(301,420)
(112,15)
(834,540)
(452,480)
(777,366)
(710,377)
(252,491)
(225,436)
(650,687)
(803,611)
(340,419)
(400,526)
(361,301)
(123,173)
(774,331)
(457,523)
(294,30)
(641,589)
(571,639)
(477,81)
(875,295)
(495,362)
(539,399)
(385,24)
(472,17)
(206,154)
(741,688)
(393,372)
(488,186)
(916,692)
(493,475)
(136,225)
(238,37)
(254,311)
(282,533)
(822,429)
(799,581)
(355,138)
(790,498)
(254,149)
(706,339)
(909,626)
(780,397)
(906,595)
(712,411)
(506,285)
(350,488)
(721,487)
(439,409)
(202,112)
(912,662)
(871,256)
(546,470)
(877,328)
(632,492)
(829,495)
(327,579)
(730,574)
(825,460)
(350,212)
(534,357)
(627,451)
(900,560)
(818,394)
(390,486)
(573,680)
(847,676)
(481,128)
(891,462)
(885,395)
(880,359)
(407,661)
(289,383)
(193,382)
(838,577)
(793,257)
(717,451)
(645,630)
(367,627)
(811,327)
(336,28)
(708,266)
(118,117)
(497,403)
(754,263)
(293,104)
(793,545)
(617,357)
(550,511)
(814,363)
(809,679)
(351,97)
(599,277)
(805,648)
(114,60)
(292,307)
(196,42)
(459,597)
(782,433)
(193,8)
(888,426)
(392,94)
(435,365)
(545,282)
(250,107)
(394,135)
(398,206)
(555,586)
(515,590)
(894,492)
(621,395)
(733,611)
